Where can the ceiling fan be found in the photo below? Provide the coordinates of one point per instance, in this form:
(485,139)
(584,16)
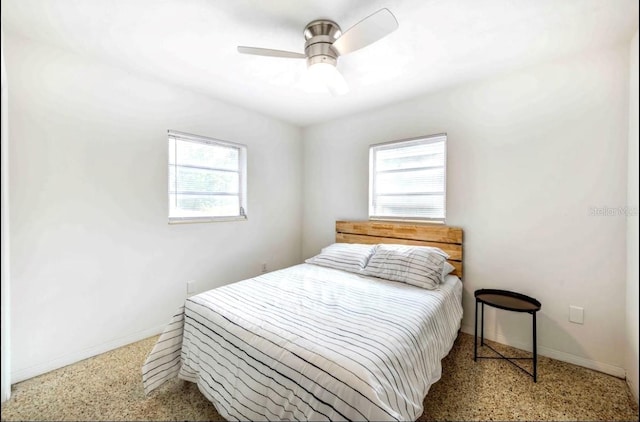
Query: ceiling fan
(325,42)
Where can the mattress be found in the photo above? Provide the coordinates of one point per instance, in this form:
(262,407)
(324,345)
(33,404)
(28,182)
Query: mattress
(311,343)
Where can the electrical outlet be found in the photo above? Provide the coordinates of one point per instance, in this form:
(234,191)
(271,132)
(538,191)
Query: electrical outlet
(263,267)
(576,314)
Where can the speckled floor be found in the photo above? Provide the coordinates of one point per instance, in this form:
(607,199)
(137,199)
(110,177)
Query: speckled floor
(108,387)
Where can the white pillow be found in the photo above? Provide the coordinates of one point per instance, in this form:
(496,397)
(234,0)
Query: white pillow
(446,270)
(352,257)
(419,266)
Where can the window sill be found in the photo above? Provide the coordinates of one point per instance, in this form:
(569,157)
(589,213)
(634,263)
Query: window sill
(409,220)
(192,220)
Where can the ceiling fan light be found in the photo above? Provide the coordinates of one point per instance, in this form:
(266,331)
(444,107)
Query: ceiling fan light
(327,76)
(325,42)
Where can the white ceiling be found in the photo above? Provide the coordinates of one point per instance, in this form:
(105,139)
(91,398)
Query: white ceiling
(192,43)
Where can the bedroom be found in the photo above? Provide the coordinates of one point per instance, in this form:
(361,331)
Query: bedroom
(538,137)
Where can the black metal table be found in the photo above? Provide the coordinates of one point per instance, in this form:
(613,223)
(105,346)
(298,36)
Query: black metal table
(509,301)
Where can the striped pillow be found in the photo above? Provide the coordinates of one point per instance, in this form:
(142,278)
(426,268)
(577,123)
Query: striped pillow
(352,257)
(420,266)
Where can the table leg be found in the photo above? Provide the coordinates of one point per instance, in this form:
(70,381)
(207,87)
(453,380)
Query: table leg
(475,334)
(482,326)
(535,350)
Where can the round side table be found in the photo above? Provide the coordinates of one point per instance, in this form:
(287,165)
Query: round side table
(509,301)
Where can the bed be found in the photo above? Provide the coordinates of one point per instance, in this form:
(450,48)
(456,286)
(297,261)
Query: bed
(311,342)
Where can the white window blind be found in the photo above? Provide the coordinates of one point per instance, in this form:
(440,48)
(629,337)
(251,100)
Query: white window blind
(207,179)
(407,179)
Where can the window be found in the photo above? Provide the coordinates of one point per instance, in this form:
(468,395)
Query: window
(207,179)
(407,179)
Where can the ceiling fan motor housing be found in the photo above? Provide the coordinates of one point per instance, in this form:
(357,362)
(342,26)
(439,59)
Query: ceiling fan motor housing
(319,36)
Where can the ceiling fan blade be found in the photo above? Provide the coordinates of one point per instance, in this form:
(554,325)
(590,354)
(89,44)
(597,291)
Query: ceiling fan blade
(337,84)
(367,31)
(270,52)
(323,77)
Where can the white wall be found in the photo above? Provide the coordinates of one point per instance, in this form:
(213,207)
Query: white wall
(94,263)
(529,154)
(5,368)
(632,226)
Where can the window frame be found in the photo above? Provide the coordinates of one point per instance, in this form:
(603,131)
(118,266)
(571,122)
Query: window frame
(427,139)
(242,177)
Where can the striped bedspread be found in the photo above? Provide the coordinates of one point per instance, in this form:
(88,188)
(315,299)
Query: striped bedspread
(311,343)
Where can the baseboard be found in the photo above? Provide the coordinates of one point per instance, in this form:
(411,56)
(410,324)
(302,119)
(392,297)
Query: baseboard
(633,389)
(616,371)
(62,361)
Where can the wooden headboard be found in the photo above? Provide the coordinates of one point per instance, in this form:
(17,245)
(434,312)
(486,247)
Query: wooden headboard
(449,239)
